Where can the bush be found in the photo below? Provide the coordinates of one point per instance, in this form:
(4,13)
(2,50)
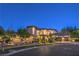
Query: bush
(76,40)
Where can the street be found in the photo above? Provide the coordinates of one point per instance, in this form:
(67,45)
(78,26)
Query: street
(59,49)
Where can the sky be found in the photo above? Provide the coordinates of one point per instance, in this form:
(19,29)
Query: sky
(55,16)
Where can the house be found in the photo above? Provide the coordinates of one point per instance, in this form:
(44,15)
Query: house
(44,33)
(40,31)
(63,37)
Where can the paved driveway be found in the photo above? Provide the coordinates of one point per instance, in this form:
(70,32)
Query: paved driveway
(60,49)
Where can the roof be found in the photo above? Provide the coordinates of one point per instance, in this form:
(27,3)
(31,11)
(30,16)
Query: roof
(31,26)
(46,29)
(42,28)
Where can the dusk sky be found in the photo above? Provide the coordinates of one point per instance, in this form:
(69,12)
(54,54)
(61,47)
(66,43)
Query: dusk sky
(55,16)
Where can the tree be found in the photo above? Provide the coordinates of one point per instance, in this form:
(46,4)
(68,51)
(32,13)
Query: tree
(23,33)
(2,31)
(10,32)
(72,31)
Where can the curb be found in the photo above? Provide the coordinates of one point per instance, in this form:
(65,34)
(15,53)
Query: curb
(14,52)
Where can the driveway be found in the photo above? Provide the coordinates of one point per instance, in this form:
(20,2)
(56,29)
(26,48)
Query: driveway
(59,49)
